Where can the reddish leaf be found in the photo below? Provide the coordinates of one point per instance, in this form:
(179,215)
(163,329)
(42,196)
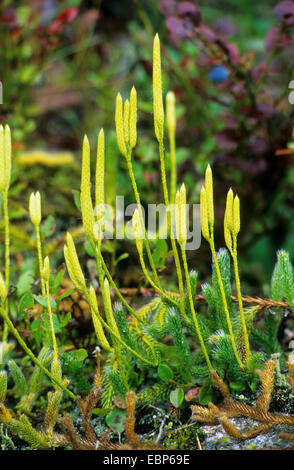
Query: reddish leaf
(284,41)
(226,139)
(231,121)
(284,10)
(168,7)
(265,111)
(224,27)
(238,87)
(55,27)
(150,177)
(207,33)
(67,16)
(62,19)
(88,19)
(189,11)
(15,31)
(192,394)
(260,111)
(234,53)
(284,152)
(204,60)
(8,16)
(258,71)
(257,145)
(178,27)
(271,38)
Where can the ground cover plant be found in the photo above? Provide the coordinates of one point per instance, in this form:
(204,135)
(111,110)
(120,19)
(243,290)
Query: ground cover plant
(206,344)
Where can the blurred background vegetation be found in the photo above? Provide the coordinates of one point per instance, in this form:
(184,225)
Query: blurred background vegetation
(230,65)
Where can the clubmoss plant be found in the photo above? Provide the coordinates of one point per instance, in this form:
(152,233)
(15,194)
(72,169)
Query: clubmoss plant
(224,337)
(172,341)
(5,176)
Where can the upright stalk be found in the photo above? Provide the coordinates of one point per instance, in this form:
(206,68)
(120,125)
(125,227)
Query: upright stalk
(169,228)
(171,125)
(207,226)
(36,217)
(158,289)
(55,350)
(188,283)
(239,296)
(173,167)
(7,254)
(138,201)
(118,338)
(40,258)
(7,238)
(224,300)
(231,230)
(101,266)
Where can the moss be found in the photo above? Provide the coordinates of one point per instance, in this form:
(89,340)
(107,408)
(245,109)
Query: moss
(6,442)
(185,438)
(282,400)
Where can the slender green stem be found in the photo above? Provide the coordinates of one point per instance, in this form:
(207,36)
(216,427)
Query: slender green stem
(110,319)
(116,340)
(101,266)
(169,227)
(43,288)
(173,166)
(40,258)
(32,356)
(239,295)
(113,256)
(108,328)
(100,270)
(159,290)
(7,238)
(7,253)
(225,304)
(55,349)
(197,328)
(138,201)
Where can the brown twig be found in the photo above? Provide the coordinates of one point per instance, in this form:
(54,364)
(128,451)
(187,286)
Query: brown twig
(262,303)
(231,408)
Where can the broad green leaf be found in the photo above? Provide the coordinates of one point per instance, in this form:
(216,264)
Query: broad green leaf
(25,282)
(116,419)
(176,397)
(164,372)
(26,302)
(43,301)
(206,395)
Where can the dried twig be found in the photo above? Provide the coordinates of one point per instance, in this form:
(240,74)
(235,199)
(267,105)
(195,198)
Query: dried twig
(231,408)
(262,303)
